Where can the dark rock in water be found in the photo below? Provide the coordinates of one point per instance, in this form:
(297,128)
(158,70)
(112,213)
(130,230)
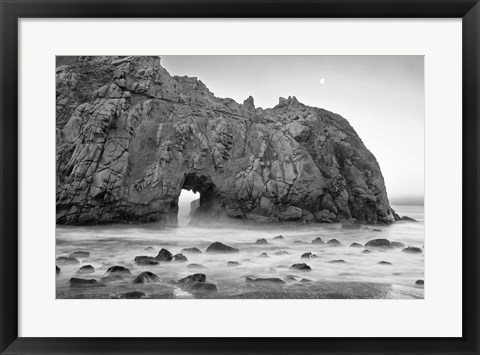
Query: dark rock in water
(281,252)
(305,280)
(334,243)
(80,254)
(132,107)
(76,282)
(192,279)
(191,251)
(412,250)
(408,219)
(263,255)
(397,245)
(180,258)
(233,263)
(262,241)
(351,225)
(133,295)
(204,286)
(278,237)
(299,242)
(164,255)
(290,278)
(146,277)
(149,249)
(356,245)
(339,261)
(318,240)
(146,260)
(384,263)
(57,270)
(379,243)
(67,260)
(308,255)
(86,269)
(195,266)
(117,271)
(264,280)
(366,251)
(419,282)
(301,266)
(218,247)
(377,230)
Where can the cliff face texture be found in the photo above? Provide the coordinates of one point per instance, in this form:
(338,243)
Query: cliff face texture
(130,137)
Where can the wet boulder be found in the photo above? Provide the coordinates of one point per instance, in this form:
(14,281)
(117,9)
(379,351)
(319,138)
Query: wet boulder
(356,245)
(180,258)
(308,255)
(290,278)
(334,243)
(84,283)
(164,255)
(233,263)
(338,261)
(412,250)
(419,282)
(279,237)
(195,266)
(305,280)
(366,251)
(408,219)
(86,269)
(146,277)
(397,245)
(218,247)
(191,251)
(146,260)
(263,255)
(261,241)
(204,286)
(67,260)
(379,243)
(80,254)
(384,262)
(192,279)
(117,270)
(318,241)
(267,280)
(281,252)
(301,266)
(149,249)
(132,295)
(302,242)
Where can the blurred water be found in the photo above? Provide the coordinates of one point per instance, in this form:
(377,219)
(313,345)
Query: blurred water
(359,277)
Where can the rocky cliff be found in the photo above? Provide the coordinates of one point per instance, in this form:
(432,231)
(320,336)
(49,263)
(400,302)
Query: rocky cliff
(130,137)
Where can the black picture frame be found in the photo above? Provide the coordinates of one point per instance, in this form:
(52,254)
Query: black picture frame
(12,11)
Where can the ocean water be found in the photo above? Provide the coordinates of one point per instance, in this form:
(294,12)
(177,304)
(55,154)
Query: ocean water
(359,276)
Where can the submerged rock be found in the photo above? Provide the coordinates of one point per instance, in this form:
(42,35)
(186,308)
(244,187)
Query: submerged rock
(146,260)
(195,266)
(263,255)
(133,295)
(378,243)
(76,282)
(264,280)
(282,252)
(180,258)
(290,278)
(192,278)
(356,245)
(279,237)
(132,136)
(334,243)
(164,255)
(419,282)
(117,270)
(191,251)
(146,277)
(204,286)
(86,269)
(301,266)
(408,219)
(305,280)
(262,241)
(318,240)
(233,263)
(299,242)
(412,250)
(397,245)
(197,282)
(149,249)
(339,261)
(80,254)
(67,260)
(308,255)
(218,247)
(366,251)
(384,263)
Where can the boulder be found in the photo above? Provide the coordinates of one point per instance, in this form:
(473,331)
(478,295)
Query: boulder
(133,295)
(290,278)
(84,283)
(419,282)
(262,241)
(366,251)
(279,237)
(339,261)
(412,250)
(180,258)
(318,241)
(397,245)
(356,245)
(117,271)
(67,260)
(378,243)
(86,269)
(305,280)
(164,255)
(334,243)
(308,255)
(80,254)
(190,279)
(146,277)
(263,255)
(191,251)
(300,242)
(384,263)
(301,266)
(204,286)
(195,266)
(281,252)
(233,263)
(218,247)
(146,260)
(267,280)
(149,249)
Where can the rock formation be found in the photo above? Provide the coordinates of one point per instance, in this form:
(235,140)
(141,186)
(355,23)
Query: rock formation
(130,137)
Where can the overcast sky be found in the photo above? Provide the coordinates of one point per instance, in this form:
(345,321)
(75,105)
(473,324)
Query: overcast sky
(381,96)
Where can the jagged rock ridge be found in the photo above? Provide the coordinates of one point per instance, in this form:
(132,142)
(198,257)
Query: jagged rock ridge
(130,137)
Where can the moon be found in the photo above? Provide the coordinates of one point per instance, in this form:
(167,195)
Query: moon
(322,81)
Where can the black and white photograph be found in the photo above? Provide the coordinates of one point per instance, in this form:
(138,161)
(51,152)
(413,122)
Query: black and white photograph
(240,177)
